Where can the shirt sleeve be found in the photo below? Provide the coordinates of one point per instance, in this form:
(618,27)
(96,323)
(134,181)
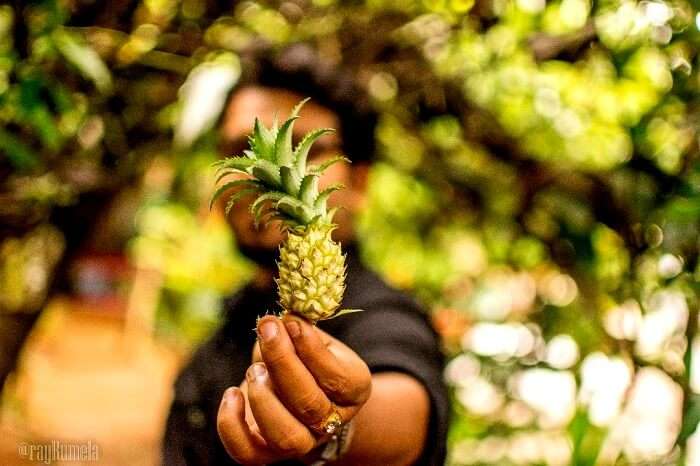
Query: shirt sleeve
(402,340)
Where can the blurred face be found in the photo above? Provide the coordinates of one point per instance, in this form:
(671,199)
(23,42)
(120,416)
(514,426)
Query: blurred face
(264,103)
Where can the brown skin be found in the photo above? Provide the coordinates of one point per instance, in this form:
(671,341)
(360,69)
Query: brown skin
(300,372)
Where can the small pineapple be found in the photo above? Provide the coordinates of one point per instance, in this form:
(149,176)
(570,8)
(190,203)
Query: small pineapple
(311,279)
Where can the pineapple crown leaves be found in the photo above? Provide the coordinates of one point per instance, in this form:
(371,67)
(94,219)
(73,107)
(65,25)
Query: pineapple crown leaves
(286,186)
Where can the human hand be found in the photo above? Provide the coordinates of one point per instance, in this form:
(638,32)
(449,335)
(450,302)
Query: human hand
(299,377)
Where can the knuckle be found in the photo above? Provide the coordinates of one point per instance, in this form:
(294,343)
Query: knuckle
(294,444)
(310,407)
(353,390)
(337,385)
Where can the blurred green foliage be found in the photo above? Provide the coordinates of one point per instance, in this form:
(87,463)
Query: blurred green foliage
(539,186)
(196,261)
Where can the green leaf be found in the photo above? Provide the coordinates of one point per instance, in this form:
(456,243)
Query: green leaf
(284,155)
(84,58)
(308,191)
(297,107)
(331,213)
(295,208)
(237,196)
(224,174)
(263,141)
(290,181)
(302,150)
(320,201)
(268,216)
(43,122)
(36,114)
(283,144)
(319,169)
(343,312)
(257,206)
(286,220)
(234,163)
(230,185)
(268,173)
(21,156)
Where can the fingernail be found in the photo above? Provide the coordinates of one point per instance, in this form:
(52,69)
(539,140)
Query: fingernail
(268,330)
(257,372)
(230,396)
(293,328)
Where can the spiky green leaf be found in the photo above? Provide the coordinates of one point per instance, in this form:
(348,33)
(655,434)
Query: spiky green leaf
(262,141)
(343,312)
(268,173)
(257,206)
(224,173)
(319,169)
(234,163)
(309,189)
(297,107)
(283,144)
(322,198)
(295,209)
(237,196)
(302,150)
(230,185)
(267,216)
(330,214)
(290,181)
(284,154)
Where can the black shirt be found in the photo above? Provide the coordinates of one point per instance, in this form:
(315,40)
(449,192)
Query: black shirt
(393,334)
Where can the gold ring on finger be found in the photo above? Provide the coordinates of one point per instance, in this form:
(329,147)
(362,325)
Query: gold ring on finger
(332,423)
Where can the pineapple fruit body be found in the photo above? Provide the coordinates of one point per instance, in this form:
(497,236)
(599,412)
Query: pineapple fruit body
(311,278)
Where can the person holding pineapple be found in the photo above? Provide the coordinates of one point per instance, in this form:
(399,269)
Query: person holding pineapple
(319,384)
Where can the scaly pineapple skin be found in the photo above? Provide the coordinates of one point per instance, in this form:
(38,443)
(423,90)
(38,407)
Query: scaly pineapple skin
(311,278)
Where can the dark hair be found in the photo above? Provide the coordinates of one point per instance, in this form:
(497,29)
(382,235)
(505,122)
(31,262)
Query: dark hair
(300,69)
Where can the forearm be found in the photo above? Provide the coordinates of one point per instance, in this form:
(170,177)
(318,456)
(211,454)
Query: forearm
(391,428)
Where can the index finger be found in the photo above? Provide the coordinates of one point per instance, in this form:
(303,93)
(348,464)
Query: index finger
(338,370)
